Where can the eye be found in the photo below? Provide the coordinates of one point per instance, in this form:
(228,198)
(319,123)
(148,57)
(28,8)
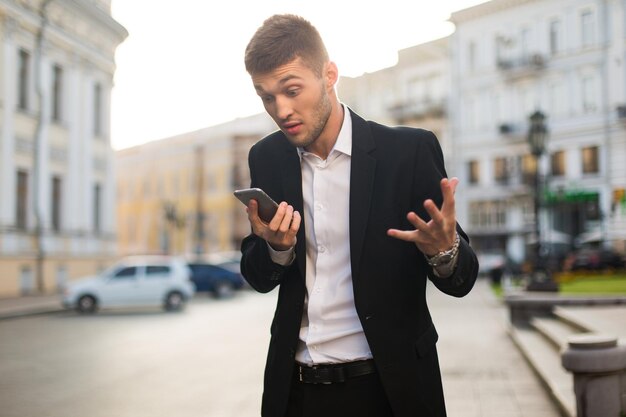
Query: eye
(292,92)
(267,99)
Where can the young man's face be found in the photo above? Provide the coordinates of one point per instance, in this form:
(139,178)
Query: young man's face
(297,99)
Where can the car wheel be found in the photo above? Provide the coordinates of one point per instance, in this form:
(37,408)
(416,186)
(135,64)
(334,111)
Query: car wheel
(87,304)
(174,301)
(224,289)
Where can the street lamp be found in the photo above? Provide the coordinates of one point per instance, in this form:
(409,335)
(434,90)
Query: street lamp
(537,135)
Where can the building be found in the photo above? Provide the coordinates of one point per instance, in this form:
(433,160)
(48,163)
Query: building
(175,195)
(414,92)
(564,58)
(56,163)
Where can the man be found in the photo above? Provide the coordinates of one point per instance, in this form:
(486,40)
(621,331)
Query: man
(366,215)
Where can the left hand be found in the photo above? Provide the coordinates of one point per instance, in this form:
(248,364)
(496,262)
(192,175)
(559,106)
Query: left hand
(440,232)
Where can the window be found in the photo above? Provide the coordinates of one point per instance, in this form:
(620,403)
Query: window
(557,163)
(21,207)
(97,110)
(472,55)
(555,37)
(590,160)
(558,98)
(474,172)
(24,80)
(525,42)
(127,272)
(501,172)
(157,270)
(56,204)
(97,200)
(587,28)
(589,94)
(529,169)
(488,214)
(57,93)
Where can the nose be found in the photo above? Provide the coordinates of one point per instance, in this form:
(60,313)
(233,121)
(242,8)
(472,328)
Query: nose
(283,108)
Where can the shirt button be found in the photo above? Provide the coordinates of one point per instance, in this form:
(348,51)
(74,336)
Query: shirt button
(321,249)
(318,206)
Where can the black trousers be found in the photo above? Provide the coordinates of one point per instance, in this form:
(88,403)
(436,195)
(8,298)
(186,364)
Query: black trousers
(361,396)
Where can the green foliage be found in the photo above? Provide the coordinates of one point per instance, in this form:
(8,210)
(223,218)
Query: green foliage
(593,285)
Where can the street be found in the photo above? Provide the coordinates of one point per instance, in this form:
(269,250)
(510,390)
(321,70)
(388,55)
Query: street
(208,361)
(205,361)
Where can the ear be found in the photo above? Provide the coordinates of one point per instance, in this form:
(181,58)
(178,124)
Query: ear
(331,74)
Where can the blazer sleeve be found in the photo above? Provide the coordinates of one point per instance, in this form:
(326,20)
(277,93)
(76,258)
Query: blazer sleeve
(257,266)
(464,276)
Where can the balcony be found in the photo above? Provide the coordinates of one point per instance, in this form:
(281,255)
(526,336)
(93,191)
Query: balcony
(524,66)
(418,110)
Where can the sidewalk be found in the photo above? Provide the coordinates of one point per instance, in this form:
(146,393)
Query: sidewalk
(484,375)
(30,305)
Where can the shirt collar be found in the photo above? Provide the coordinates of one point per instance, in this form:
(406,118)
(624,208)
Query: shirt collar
(344,139)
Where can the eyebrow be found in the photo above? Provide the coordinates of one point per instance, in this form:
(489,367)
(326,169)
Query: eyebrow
(282,81)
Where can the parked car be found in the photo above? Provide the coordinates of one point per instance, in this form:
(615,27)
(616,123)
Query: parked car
(593,259)
(220,280)
(134,281)
(490,263)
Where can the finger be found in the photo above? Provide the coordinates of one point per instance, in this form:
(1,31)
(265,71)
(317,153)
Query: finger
(454,181)
(286,221)
(448,188)
(414,236)
(274,224)
(253,216)
(406,235)
(295,223)
(417,221)
(434,212)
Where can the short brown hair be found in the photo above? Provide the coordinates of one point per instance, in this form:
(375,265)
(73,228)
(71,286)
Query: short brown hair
(281,39)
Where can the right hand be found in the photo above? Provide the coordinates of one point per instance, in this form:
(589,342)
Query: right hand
(281,231)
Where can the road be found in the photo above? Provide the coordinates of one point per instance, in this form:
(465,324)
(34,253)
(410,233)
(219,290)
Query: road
(208,361)
(205,361)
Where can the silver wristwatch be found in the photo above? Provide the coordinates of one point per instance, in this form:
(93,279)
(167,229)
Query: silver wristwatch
(446,256)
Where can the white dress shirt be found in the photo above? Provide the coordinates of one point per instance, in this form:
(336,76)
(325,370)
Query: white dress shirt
(330,331)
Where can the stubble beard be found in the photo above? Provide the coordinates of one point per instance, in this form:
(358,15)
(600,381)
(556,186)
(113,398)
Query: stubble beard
(321,115)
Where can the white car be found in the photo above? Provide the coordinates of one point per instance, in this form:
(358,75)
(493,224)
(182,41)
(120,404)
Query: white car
(134,281)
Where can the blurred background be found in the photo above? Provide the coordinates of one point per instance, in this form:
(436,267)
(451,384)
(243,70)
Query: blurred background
(125,127)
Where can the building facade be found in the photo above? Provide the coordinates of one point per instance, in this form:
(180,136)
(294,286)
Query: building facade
(414,92)
(564,58)
(57,194)
(175,195)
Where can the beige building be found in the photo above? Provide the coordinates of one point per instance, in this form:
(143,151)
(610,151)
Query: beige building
(414,92)
(175,195)
(56,162)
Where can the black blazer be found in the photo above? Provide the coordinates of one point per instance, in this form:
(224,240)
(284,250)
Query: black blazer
(393,170)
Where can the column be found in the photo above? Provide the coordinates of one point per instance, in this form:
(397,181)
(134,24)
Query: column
(7,142)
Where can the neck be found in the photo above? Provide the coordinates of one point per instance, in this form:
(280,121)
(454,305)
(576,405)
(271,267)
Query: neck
(326,141)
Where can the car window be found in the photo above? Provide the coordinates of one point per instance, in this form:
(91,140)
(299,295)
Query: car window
(126,273)
(154,270)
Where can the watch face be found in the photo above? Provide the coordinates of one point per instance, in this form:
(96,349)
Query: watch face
(444,259)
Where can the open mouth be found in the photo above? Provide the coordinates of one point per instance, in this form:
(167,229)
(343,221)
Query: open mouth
(292,128)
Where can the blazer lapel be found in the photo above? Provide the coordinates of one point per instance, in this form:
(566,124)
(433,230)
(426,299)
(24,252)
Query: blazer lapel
(292,188)
(362,170)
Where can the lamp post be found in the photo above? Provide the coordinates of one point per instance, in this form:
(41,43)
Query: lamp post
(537,134)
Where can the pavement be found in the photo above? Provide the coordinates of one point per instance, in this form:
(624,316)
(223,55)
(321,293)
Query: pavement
(30,305)
(484,375)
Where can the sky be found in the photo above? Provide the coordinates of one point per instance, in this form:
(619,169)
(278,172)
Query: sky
(181,67)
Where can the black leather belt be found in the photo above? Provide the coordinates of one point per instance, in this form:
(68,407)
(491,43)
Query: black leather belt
(333,373)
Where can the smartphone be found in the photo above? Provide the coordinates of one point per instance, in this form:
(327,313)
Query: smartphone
(267,206)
